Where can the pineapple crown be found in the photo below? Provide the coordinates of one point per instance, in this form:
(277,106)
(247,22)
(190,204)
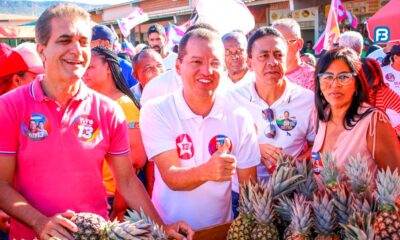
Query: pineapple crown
(357,171)
(343,203)
(246,198)
(263,211)
(330,173)
(157,231)
(284,208)
(308,187)
(364,203)
(284,180)
(323,207)
(388,187)
(359,227)
(301,216)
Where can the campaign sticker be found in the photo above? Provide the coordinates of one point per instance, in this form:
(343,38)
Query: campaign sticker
(184,146)
(36,127)
(217,142)
(286,122)
(86,128)
(390,77)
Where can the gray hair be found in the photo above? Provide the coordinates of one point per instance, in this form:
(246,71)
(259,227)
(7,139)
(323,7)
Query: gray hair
(353,40)
(235,35)
(64,10)
(289,23)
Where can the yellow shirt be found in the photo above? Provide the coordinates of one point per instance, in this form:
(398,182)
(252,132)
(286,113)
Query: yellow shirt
(132,114)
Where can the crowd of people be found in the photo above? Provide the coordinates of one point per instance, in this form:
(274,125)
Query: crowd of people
(88,129)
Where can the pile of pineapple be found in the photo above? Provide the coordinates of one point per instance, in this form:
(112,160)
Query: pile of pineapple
(297,204)
(135,227)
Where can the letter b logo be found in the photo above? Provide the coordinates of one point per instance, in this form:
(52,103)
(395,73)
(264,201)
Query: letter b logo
(381,34)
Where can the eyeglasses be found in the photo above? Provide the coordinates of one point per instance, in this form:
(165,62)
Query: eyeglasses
(342,78)
(237,53)
(270,130)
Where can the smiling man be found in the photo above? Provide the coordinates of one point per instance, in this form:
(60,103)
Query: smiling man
(45,177)
(282,110)
(197,139)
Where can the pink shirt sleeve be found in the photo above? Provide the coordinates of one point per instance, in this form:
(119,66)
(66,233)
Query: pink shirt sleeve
(8,128)
(119,138)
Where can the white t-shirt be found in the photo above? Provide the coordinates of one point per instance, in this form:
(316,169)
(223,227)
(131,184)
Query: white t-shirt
(167,123)
(291,134)
(378,55)
(170,60)
(391,78)
(171,81)
(248,77)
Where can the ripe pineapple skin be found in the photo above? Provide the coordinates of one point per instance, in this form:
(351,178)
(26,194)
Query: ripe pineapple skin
(265,231)
(241,228)
(387,225)
(90,226)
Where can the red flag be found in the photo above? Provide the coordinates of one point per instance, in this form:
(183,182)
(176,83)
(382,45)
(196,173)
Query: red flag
(343,13)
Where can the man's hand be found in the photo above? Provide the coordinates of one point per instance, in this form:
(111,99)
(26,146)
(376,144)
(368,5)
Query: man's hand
(4,222)
(269,154)
(55,227)
(179,230)
(222,165)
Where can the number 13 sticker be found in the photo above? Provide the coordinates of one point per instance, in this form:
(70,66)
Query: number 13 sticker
(85,127)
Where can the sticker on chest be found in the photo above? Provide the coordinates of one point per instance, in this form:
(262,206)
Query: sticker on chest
(286,122)
(85,128)
(36,127)
(184,146)
(217,142)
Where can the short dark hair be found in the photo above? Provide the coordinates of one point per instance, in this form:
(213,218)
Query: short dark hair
(156,28)
(262,32)
(65,10)
(351,58)
(234,35)
(201,25)
(200,33)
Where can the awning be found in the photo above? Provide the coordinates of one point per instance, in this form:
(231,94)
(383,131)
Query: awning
(13,32)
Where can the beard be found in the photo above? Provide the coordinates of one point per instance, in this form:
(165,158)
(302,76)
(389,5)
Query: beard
(157,48)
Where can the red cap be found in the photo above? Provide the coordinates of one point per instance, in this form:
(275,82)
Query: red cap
(23,58)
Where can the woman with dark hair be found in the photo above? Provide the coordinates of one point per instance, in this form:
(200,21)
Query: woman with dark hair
(104,76)
(347,124)
(380,95)
(391,69)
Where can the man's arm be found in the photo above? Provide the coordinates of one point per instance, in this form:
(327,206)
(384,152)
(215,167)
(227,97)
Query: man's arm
(15,205)
(247,174)
(220,167)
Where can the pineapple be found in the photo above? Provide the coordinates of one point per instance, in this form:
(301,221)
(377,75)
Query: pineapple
(242,226)
(300,226)
(284,209)
(359,227)
(284,180)
(330,173)
(360,178)
(156,230)
(343,203)
(90,226)
(138,227)
(308,187)
(263,213)
(387,222)
(325,219)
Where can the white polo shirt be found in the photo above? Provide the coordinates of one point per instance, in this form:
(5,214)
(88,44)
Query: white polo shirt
(291,134)
(170,60)
(378,55)
(391,78)
(248,77)
(168,123)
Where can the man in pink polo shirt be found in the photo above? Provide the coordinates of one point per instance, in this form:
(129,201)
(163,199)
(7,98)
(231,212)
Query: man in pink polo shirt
(55,133)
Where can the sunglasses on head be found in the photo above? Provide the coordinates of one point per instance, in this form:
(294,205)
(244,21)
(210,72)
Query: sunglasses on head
(270,130)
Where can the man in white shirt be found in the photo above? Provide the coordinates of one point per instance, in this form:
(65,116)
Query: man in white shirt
(235,44)
(197,139)
(380,54)
(282,111)
(157,39)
